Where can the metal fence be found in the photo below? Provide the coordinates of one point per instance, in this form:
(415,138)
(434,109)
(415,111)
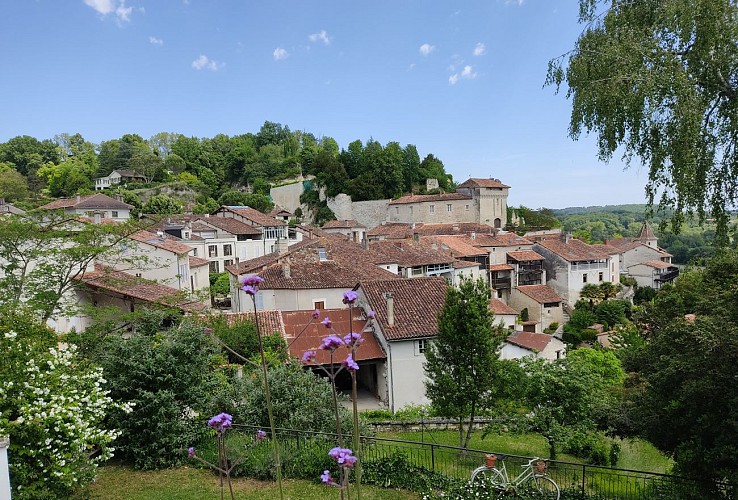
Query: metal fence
(580,481)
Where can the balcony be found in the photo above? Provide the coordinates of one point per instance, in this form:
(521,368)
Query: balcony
(498,283)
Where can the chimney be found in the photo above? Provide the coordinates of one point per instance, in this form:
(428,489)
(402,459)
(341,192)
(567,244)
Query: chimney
(79,199)
(97,217)
(281,246)
(567,237)
(416,236)
(474,235)
(286,271)
(390,309)
(119,197)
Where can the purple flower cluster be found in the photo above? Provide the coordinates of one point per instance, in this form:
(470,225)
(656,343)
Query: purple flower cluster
(342,456)
(261,435)
(251,284)
(371,314)
(220,422)
(190,452)
(309,356)
(353,339)
(327,322)
(350,297)
(331,343)
(350,363)
(326,478)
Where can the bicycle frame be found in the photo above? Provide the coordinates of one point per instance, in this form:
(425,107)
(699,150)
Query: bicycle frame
(524,476)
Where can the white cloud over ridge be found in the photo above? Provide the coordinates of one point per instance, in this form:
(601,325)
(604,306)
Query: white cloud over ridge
(426,49)
(322,36)
(480,49)
(156,41)
(203,62)
(280,53)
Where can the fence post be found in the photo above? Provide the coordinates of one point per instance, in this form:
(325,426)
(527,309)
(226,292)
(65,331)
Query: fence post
(433,457)
(584,476)
(4,468)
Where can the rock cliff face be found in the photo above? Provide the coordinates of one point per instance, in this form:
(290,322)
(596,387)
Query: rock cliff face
(368,213)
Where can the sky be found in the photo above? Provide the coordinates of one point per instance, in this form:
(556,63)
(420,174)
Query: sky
(460,80)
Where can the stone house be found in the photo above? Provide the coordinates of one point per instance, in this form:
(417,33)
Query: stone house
(543,303)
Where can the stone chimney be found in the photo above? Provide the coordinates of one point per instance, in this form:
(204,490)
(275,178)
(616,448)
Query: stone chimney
(390,309)
(281,246)
(79,199)
(286,271)
(567,237)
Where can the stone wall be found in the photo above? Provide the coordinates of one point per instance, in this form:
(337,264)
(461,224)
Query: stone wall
(287,196)
(369,213)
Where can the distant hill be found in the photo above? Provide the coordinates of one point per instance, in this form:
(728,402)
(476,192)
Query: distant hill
(634,209)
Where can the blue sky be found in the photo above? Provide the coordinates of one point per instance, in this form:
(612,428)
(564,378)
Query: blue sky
(461,80)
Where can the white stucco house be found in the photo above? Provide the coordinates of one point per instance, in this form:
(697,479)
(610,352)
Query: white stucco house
(98,206)
(116,177)
(535,345)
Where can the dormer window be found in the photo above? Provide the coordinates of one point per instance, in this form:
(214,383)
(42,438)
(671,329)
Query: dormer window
(322,254)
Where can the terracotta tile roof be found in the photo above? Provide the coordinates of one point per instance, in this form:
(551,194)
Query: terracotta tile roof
(167,243)
(458,245)
(498,307)
(574,250)
(253,215)
(106,279)
(427,198)
(91,202)
(303,334)
(624,244)
(656,264)
(417,302)
(500,267)
(484,183)
(317,275)
(608,249)
(229,225)
(524,256)
(540,293)
(269,321)
(536,342)
(197,261)
(500,240)
(646,232)
(462,264)
(343,224)
(409,253)
(279,211)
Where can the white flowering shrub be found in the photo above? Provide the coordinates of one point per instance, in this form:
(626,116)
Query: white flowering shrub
(52,405)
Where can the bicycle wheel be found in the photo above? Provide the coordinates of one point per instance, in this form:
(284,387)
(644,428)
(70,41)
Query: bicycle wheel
(546,487)
(492,477)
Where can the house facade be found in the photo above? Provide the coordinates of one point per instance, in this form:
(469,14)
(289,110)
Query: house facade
(116,177)
(534,345)
(99,206)
(543,304)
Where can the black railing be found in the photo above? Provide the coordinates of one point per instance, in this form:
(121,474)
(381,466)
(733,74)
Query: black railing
(580,481)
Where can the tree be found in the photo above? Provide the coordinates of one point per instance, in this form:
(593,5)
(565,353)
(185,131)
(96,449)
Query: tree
(660,80)
(463,368)
(162,204)
(13,185)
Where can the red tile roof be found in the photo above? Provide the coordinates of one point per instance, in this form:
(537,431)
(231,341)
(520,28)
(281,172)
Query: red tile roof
(483,183)
(401,230)
(343,224)
(252,215)
(409,253)
(524,256)
(108,280)
(501,267)
(197,261)
(155,240)
(457,245)
(230,225)
(500,240)
(269,321)
(302,333)
(417,302)
(657,264)
(536,342)
(91,202)
(540,293)
(427,198)
(498,307)
(608,249)
(574,250)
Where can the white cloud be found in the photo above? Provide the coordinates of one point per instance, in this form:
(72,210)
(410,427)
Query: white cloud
(480,49)
(467,73)
(280,53)
(203,62)
(117,7)
(426,49)
(514,2)
(156,41)
(323,36)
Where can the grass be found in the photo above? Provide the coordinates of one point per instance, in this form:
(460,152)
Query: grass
(115,482)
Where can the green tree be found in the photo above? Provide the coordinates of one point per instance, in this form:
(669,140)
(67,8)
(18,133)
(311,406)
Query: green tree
(13,185)
(463,368)
(162,204)
(657,79)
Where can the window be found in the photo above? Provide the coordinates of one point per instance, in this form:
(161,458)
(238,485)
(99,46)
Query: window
(432,209)
(411,209)
(602,276)
(321,254)
(448,207)
(194,252)
(114,214)
(420,346)
(227,250)
(466,208)
(551,304)
(584,278)
(214,267)
(227,262)
(397,210)
(212,251)
(319,304)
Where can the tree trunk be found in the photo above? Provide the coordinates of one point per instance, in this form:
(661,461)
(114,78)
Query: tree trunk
(470,425)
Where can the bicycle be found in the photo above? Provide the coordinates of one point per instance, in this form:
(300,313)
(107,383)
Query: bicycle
(533,478)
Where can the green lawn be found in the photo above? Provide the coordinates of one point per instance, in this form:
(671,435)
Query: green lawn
(116,482)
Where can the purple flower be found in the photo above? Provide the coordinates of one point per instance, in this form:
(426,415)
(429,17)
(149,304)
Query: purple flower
(220,422)
(350,297)
(350,363)
(371,314)
(342,456)
(208,330)
(251,290)
(326,478)
(190,452)
(261,435)
(327,322)
(352,339)
(331,343)
(254,280)
(316,314)
(309,356)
